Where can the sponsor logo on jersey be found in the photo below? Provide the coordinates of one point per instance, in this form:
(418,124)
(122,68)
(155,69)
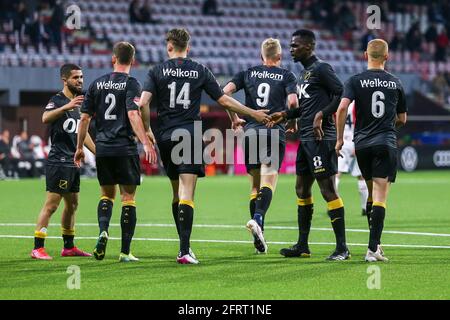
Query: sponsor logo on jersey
(110,85)
(301,91)
(376,83)
(266,75)
(49,106)
(192,74)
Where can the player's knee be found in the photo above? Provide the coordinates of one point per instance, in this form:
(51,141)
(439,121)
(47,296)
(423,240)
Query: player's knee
(302,193)
(74,205)
(329,195)
(127,197)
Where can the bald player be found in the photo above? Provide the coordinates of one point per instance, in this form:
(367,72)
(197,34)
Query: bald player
(380,109)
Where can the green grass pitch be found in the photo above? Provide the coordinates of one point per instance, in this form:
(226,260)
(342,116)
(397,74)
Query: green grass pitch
(417,241)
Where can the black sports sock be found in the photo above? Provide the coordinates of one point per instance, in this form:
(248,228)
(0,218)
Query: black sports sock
(39,238)
(68,241)
(336,213)
(128,224)
(262,205)
(104,213)
(175,216)
(377,224)
(305,210)
(369,205)
(252,204)
(68,235)
(185,218)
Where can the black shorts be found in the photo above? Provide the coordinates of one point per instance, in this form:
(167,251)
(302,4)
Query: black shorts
(174,167)
(60,179)
(124,170)
(317,158)
(258,150)
(378,162)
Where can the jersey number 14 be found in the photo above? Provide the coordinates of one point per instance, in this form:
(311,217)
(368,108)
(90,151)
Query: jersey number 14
(183,96)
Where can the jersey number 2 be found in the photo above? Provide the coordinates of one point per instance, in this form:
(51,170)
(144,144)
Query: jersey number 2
(110,99)
(378,104)
(183,96)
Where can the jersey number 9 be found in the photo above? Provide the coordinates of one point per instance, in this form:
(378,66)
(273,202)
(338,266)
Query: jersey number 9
(263,94)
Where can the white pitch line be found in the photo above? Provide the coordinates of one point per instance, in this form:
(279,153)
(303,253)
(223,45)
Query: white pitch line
(225,226)
(234,241)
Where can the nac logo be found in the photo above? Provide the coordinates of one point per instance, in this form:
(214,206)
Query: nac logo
(409,159)
(317,162)
(441,158)
(71,125)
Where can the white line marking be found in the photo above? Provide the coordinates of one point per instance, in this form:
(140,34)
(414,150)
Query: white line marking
(235,241)
(225,226)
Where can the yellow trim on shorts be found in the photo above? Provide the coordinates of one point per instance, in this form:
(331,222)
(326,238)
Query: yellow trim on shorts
(335,204)
(189,203)
(305,202)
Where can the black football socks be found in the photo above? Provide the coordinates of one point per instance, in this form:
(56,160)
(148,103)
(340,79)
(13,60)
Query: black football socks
(104,213)
(185,219)
(305,209)
(68,235)
(376,224)
(336,214)
(175,216)
(262,204)
(128,224)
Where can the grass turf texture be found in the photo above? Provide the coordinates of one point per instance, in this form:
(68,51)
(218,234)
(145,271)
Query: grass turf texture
(418,202)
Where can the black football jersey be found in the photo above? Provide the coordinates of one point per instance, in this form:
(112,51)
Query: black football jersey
(108,100)
(317,84)
(265,88)
(176,86)
(379,97)
(63,133)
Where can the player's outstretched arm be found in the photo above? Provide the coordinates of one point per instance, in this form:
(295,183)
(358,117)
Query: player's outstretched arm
(341,115)
(83,127)
(232,104)
(236,122)
(52,115)
(138,128)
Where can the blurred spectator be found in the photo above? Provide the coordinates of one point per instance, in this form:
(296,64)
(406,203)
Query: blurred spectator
(26,157)
(440,88)
(442,46)
(141,12)
(210,8)
(368,36)
(431,38)
(134,11)
(397,43)
(56,24)
(6,160)
(414,41)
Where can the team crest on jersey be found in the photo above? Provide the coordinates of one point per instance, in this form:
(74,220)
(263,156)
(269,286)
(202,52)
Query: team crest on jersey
(307,75)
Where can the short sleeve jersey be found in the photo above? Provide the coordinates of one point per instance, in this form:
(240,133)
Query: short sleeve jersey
(176,86)
(63,132)
(379,97)
(108,100)
(266,87)
(317,85)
